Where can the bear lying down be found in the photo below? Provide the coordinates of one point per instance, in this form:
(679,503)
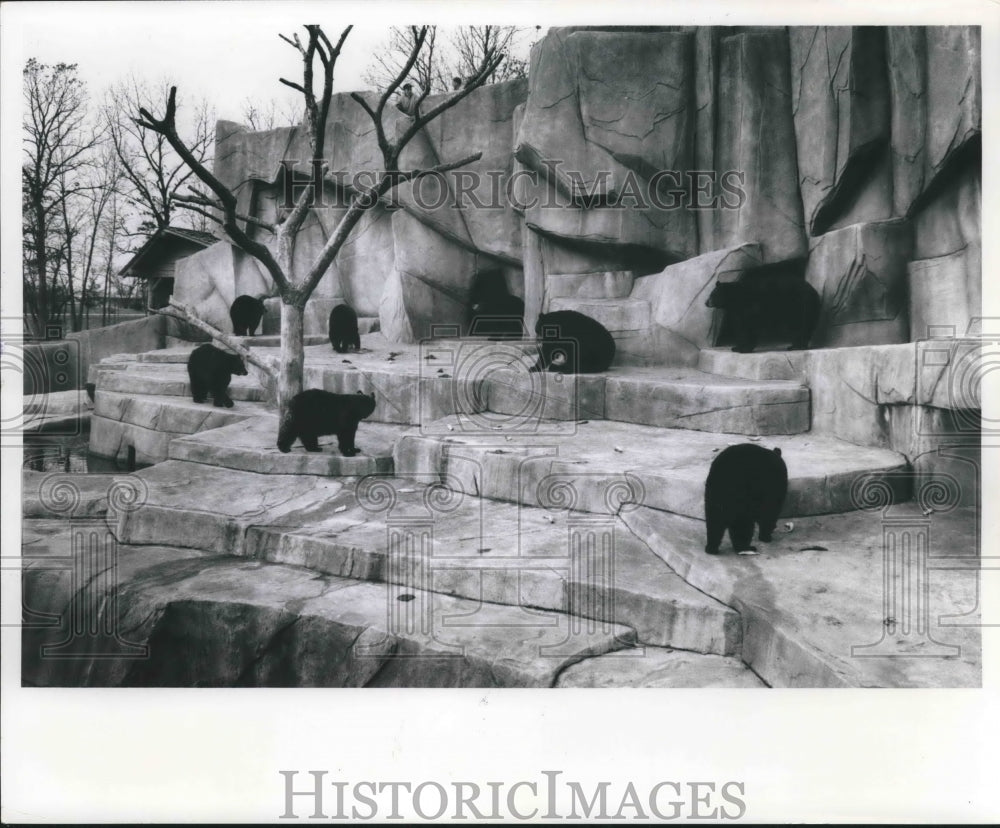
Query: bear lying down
(315,413)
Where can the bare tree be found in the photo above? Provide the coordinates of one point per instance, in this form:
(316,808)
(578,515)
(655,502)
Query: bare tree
(271,115)
(152,172)
(390,60)
(453,52)
(56,142)
(113,234)
(219,202)
(470,43)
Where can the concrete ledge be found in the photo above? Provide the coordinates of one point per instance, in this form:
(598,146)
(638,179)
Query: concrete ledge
(655,667)
(499,553)
(164,413)
(608,284)
(250,445)
(811,616)
(166,381)
(64,495)
(191,620)
(707,403)
(614,314)
(765,365)
(594,464)
(113,438)
(198,507)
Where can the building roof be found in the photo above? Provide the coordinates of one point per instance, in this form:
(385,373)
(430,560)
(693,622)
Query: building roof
(164,236)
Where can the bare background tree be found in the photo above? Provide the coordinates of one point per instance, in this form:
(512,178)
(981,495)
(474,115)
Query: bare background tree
(96,184)
(152,172)
(395,55)
(58,143)
(470,43)
(261,117)
(450,52)
(319,57)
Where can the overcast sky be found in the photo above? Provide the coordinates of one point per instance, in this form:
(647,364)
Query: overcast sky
(226,52)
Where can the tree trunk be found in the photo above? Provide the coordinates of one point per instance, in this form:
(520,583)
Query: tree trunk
(41,264)
(290,368)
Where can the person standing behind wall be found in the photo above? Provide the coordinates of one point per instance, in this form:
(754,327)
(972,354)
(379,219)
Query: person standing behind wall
(407,103)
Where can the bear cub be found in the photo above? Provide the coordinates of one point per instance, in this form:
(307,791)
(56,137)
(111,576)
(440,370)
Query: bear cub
(571,343)
(315,413)
(493,310)
(779,303)
(246,313)
(746,485)
(344,329)
(209,370)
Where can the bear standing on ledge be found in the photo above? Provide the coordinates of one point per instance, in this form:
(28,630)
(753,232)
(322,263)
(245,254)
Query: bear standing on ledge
(209,370)
(315,413)
(344,329)
(746,484)
(246,313)
(571,343)
(760,306)
(493,310)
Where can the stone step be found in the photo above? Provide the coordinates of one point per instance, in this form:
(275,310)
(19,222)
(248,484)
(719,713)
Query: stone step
(837,603)
(490,382)
(609,284)
(115,362)
(59,413)
(598,466)
(274,340)
(183,618)
(404,531)
(617,315)
(251,445)
(180,415)
(64,495)
(149,423)
(659,667)
(407,532)
(170,380)
(664,396)
(760,365)
(178,354)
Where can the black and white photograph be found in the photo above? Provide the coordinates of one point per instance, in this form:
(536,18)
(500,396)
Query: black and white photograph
(482,381)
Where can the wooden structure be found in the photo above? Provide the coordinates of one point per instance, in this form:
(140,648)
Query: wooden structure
(156,259)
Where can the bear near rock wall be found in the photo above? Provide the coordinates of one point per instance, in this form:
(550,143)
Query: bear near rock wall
(830,127)
(411,260)
(859,150)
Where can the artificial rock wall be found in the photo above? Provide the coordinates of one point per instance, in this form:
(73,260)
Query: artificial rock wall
(637,166)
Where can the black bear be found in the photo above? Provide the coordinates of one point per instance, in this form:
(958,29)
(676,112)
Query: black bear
(746,484)
(344,329)
(314,413)
(761,306)
(246,313)
(210,369)
(571,343)
(493,310)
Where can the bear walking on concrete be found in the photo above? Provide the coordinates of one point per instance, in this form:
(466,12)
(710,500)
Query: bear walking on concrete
(746,485)
(209,370)
(571,343)
(493,310)
(766,306)
(344,329)
(246,313)
(314,413)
